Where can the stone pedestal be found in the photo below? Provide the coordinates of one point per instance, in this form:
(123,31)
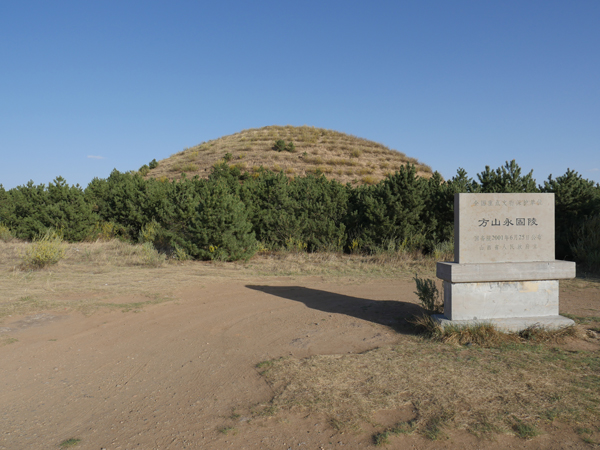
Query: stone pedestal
(505,272)
(511,296)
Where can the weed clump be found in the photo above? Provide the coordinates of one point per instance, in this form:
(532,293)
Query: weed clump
(5,233)
(45,250)
(72,442)
(429,296)
(151,257)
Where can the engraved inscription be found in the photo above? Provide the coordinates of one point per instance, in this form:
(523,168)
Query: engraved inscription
(505,227)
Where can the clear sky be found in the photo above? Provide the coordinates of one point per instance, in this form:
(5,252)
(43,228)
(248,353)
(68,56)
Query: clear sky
(86,87)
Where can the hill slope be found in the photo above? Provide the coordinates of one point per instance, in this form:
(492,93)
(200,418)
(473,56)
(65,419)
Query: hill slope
(337,155)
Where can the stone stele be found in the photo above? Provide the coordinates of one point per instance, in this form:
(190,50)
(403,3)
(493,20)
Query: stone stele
(503,228)
(504,271)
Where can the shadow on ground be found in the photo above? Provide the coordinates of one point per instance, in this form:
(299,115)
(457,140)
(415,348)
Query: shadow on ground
(392,313)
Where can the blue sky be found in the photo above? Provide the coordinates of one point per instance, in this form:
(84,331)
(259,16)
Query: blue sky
(86,87)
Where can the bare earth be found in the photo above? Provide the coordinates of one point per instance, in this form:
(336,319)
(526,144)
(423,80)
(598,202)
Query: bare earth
(182,374)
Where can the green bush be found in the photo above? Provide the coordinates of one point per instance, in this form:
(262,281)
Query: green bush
(506,179)
(144,170)
(395,210)
(281,146)
(220,229)
(45,250)
(153,164)
(585,245)
(59,206)
(132,202)
(576,200)
(309,209)
(403,212)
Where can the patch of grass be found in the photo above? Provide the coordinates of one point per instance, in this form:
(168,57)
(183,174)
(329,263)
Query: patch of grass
(227,430)
(383,438)
(487,335)
(433,427)
(189,167)
(585,435)
(484,428)
(582,319)
(370,180)
(72,442)
(264,364)
(525,430)
(467,387)
(5,340)
(45,250)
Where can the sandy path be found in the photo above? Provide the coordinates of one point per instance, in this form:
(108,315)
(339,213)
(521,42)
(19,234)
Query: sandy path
(166,377)
(170,376)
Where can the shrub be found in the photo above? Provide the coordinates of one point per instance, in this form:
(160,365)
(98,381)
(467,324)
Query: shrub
(151,257)
(180,254)
(444,251)
(189,167)
(5,233)
(429,295)
(586,246)
(395,209)
(105,231)
(45,250)
(220,229)
(281,146)
(35,209)
(506,179)
(369,179)
(144,170)
(308,209)
(153,164)
(149,232)
(576,200)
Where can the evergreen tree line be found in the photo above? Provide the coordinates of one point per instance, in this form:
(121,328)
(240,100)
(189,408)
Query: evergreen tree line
(227,216)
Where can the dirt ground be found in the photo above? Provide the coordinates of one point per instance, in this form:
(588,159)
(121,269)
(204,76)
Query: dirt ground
(182,374)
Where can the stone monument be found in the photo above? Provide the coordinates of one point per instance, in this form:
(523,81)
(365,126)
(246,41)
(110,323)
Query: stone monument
(504,271)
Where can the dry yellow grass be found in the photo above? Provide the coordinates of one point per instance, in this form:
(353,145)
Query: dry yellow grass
(510,388)
(316,150)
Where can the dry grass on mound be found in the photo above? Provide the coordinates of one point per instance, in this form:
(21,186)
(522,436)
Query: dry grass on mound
(338,156)
(509,388)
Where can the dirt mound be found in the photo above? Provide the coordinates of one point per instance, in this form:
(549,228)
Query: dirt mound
(305,150)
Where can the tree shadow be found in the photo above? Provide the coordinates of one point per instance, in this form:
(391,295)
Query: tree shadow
(392,313)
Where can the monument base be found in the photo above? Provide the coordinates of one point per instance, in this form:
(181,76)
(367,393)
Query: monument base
(510,324)
(496,300)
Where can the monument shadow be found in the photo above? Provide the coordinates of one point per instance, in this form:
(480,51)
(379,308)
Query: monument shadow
(392,313)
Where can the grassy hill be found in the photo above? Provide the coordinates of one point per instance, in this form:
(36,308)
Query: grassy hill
(338,156)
